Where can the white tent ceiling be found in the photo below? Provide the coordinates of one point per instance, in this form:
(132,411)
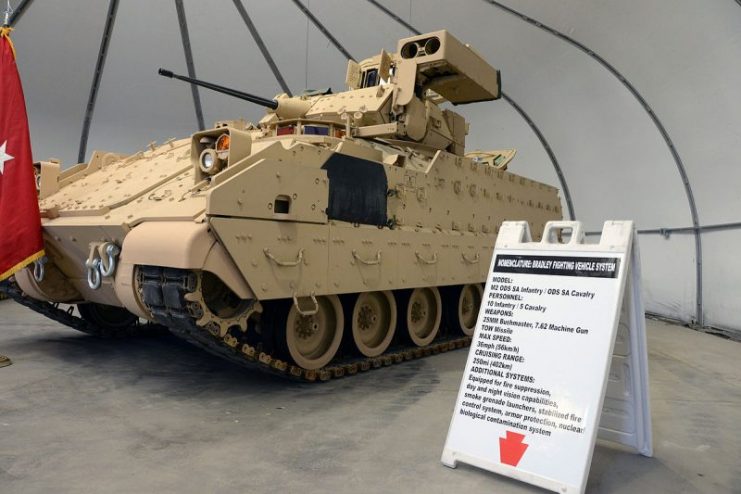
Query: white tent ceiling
(681,56)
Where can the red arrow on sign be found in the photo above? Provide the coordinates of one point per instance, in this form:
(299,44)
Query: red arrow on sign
(512,448)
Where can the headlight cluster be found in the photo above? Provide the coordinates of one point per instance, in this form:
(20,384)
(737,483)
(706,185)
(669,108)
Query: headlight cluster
(213,159)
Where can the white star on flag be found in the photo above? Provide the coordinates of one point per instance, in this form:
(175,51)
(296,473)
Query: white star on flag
(4,157)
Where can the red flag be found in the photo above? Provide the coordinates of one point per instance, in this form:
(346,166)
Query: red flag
(20,222)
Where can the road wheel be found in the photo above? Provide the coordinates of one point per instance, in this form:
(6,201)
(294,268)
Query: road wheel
(421,314)
(373,322)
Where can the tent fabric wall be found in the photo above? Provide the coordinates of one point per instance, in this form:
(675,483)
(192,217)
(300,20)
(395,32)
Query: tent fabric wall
(681,56)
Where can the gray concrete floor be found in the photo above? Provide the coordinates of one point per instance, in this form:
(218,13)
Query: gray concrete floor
(80,414)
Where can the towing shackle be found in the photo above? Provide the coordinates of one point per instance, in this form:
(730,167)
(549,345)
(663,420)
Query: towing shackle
(101,263)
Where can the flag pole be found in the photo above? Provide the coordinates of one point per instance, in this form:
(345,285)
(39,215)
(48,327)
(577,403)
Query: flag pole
(8,11)
(5,361)
(6,29)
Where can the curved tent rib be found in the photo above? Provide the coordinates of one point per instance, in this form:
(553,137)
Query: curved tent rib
(183,22)
(659,126)
(97,75)
(261,45)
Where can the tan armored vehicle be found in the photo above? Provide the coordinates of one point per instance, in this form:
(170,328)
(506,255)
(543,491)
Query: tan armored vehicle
(342,232)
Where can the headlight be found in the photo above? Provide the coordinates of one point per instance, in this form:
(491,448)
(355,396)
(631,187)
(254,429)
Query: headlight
(209,162)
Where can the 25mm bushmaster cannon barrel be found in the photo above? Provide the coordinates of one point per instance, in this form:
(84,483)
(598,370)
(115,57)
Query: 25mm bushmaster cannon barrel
(267,103)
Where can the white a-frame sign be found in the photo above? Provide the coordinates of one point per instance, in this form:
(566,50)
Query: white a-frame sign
(558,357)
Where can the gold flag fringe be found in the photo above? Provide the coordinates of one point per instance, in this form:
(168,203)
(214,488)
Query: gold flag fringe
(5,33)
(22,264)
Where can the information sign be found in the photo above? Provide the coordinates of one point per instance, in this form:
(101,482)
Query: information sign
(558,354)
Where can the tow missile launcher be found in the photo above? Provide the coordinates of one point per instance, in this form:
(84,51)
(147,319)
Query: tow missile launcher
(342,232)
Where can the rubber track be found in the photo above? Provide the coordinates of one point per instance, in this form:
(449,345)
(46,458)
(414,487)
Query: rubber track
(66,317)
(163,291)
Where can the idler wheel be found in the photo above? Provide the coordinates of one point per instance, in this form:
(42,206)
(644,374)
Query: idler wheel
(373,322)
(219,298)
(462,304)
(311,341)
(421,312)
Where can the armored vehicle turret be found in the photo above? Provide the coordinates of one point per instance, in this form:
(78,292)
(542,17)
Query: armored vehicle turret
(342,232)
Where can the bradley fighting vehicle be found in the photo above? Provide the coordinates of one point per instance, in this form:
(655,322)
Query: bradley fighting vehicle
(342,232)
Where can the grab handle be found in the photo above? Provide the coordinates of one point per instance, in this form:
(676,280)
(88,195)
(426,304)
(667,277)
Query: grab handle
(426,261)
(309,312)
(369,262)
(278,262)
(475,259)
(550,233)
